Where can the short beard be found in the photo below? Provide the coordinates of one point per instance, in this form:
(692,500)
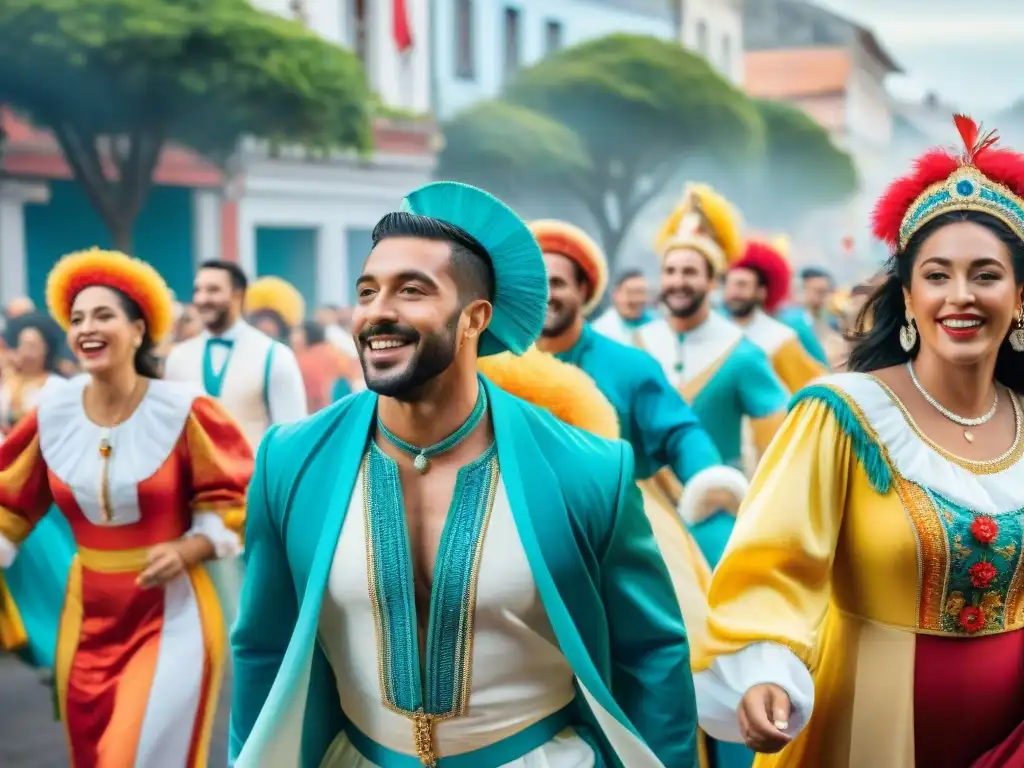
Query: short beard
(742,309)
(435,355)
(562,323)
(220,322)
(689,310)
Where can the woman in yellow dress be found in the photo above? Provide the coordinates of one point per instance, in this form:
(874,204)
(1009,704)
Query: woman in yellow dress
(875,576)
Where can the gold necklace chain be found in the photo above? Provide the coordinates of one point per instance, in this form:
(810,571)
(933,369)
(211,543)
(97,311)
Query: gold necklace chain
(107,450)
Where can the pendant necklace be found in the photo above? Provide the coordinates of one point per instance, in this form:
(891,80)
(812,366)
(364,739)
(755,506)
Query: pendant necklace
(961,420)
(106,451)
(422,456)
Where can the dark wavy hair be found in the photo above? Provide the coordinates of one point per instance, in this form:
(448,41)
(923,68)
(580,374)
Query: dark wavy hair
(146,361)
(885,311)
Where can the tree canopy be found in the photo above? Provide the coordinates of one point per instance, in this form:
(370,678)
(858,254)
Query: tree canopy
(638,108)
(117,80)
(800,169)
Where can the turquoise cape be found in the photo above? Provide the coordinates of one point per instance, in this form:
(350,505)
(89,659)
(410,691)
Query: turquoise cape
(653,417)
(796,318)
(594,559)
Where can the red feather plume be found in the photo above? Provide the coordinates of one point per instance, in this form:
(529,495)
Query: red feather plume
(1002,166)
(773,268)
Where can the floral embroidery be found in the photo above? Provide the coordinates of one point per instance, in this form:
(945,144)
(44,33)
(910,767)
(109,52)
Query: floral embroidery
(982,573)
(984,529)
(972,619)
(983,556)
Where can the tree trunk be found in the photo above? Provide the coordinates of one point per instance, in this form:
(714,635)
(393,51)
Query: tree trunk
(116,198)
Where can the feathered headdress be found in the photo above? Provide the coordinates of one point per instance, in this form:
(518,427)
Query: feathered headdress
(705,222)
(134,278)
(278,296)
(572,242)
(774,269)
(981,178)
(563,389)
(520,277)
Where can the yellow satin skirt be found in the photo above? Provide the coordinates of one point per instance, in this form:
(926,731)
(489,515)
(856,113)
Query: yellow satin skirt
(690,573)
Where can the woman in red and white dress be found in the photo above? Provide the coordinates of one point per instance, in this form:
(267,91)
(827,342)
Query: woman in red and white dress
(151,476)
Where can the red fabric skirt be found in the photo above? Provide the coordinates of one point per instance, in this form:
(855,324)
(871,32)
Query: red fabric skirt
(969,701)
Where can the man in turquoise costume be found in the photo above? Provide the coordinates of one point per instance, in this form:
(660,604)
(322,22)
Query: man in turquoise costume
(812,320)
(441,574)
(722,375)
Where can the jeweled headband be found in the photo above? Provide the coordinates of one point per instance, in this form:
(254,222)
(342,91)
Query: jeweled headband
(982,178)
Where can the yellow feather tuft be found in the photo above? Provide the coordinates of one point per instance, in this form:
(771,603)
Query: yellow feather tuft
(564,390)
(725,221)
(277,295)
(112,269)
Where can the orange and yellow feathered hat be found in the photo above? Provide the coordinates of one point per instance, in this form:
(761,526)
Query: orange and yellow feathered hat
(703,221)
(564,390)
(568,240)
(278,296)
(112,269)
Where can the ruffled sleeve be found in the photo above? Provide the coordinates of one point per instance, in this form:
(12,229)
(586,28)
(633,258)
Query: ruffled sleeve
(771,590)
(24,486)
(221,464)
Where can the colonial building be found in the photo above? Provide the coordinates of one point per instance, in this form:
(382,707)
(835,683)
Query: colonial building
(835,70)
(304,217)
(480,44)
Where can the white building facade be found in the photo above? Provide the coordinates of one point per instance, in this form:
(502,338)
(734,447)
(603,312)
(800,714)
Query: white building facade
(309,219)
(480,44)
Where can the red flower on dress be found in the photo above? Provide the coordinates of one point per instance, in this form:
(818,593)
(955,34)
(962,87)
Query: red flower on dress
(984,529)
(972,618)
(982,574)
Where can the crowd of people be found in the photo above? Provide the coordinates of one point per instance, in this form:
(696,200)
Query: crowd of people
(480,520)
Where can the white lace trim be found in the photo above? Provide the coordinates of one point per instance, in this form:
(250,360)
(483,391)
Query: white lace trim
(917,461)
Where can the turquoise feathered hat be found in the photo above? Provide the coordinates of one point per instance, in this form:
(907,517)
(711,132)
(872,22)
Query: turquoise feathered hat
(520,277)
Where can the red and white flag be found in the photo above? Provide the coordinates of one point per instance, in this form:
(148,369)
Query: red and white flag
(401,29)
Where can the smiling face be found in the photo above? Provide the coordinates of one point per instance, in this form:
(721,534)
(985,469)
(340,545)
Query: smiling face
(567,294)
(409,321)
(963,295)
(31,353)
(101,334)
(216,299)
(685,281)
(743,292)
(630,297)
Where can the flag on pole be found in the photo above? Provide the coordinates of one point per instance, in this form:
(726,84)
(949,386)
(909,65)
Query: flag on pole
(401,29)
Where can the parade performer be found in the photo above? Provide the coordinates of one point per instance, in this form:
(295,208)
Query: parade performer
(547,584)
(275,306)
(811,319)
(721,374)
(629,311)
(756,285)
(252,375)
(152,479)
(652,416)
(32,589)
(873,578)
(256,379)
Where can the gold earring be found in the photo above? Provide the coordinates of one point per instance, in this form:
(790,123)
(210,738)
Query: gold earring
(1017,334)
(908,334)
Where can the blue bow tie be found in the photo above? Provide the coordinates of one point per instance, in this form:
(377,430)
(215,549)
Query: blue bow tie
(217,341)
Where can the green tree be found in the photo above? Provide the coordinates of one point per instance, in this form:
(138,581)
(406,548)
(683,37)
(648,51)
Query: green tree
(638,109)
(117,80)
(800,170)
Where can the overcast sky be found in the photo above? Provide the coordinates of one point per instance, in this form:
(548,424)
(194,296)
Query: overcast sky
(971,52)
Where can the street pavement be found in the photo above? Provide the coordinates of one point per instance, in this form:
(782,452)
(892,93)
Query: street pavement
(30,737)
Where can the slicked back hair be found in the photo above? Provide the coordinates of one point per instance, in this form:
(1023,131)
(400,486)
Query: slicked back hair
(470,264)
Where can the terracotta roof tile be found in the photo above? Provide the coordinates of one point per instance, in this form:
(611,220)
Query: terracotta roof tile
(794,72)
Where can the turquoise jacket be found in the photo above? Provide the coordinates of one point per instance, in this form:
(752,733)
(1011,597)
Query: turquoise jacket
(653,417)
(597,568)
(796,318)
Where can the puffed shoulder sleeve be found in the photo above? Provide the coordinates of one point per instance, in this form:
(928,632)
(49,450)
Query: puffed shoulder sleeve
(24,486)
(221,464)
(771,590)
